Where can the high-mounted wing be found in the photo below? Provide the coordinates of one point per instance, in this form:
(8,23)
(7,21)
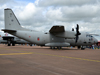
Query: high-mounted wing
(57,29)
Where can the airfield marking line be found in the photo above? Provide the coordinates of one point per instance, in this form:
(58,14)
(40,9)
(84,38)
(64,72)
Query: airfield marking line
(67,57)
(14,50)
(15,53)
(26,52)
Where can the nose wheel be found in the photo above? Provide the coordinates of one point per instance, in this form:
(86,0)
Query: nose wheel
(81,47)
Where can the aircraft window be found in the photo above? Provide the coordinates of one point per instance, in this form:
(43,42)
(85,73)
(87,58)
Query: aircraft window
(87,35)
(89,42)
(46,33)
(91,36)
(84,42)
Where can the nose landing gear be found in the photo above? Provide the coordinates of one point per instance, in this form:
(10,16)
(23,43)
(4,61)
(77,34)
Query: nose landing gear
(82,47)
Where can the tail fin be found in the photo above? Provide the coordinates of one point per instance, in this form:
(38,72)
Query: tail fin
(11,22)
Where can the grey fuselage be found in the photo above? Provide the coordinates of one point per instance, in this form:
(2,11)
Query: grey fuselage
(41,38)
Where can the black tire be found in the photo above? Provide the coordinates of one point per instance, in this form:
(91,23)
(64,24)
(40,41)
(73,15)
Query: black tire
(9,43)
(78,47)
(82,48)
(13,44)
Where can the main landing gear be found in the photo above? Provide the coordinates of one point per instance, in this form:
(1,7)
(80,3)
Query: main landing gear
(56,48)
(11,41)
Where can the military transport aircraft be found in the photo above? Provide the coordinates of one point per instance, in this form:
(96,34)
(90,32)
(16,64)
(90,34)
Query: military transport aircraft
(12,40)
(56,37)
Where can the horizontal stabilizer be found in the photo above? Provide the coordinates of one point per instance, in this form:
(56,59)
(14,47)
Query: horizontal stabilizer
(7,30)
(7,37)
(57,29)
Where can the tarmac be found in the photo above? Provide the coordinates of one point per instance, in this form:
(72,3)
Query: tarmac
(36,60)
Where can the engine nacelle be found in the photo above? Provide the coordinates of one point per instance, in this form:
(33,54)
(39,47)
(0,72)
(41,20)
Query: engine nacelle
(66,34)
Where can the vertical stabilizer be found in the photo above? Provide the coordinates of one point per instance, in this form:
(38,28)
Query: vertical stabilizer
(11,22)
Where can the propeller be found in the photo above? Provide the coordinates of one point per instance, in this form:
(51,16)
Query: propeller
(77,33)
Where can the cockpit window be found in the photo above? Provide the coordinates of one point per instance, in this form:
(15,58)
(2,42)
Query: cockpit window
(89,36)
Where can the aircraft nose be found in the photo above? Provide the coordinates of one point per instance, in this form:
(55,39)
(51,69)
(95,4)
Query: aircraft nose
(95,40)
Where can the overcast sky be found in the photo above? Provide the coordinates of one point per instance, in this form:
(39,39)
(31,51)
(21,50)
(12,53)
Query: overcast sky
(41,15)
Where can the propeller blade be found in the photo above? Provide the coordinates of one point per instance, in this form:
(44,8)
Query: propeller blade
(76,39)
(77,33)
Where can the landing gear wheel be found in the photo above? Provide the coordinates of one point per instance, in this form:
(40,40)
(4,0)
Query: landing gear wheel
(9,43)
(78,47)
(82,47)
(13,44)
(58,47)
(30,44)
(52,47)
